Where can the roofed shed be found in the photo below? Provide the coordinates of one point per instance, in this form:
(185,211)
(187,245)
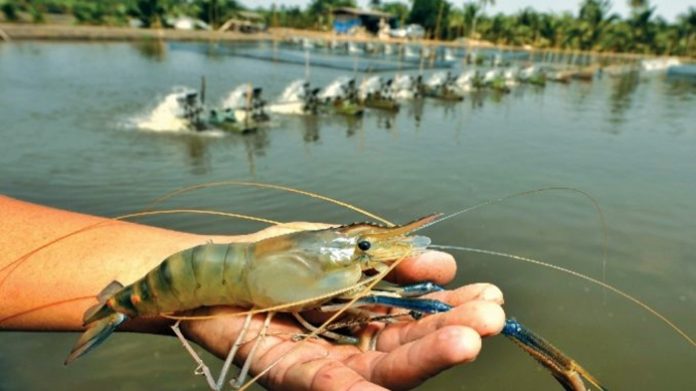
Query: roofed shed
(347,18)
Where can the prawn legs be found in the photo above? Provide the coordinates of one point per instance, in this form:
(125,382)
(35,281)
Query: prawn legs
(563,368)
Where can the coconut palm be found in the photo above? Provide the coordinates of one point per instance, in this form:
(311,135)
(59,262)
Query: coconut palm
(483,4)
(470,12)
(686,24)
(455,23)
(592,20)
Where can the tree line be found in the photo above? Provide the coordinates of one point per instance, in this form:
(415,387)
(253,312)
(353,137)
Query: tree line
(593,27)
(150,13)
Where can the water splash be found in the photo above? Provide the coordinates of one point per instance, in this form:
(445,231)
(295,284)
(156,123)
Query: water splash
(437,79)
(370,85)
(237,98)
(293,92)
(404,87)
(167,116)
(335,89)
(291,101)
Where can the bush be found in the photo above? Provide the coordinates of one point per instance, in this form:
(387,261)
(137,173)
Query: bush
(36,15)
(57,7)
(88,13)
(10,11)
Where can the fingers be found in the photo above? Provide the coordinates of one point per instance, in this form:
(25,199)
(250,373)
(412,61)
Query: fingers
(218,333)
(485,318)
(310,366)
(313,365)
(479,291)
(325,375)
(435,266)
(410,364)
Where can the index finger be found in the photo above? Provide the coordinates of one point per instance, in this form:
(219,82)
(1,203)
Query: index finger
(435,266)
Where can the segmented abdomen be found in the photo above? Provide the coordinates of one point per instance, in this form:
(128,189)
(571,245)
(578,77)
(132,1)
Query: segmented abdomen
(204,275)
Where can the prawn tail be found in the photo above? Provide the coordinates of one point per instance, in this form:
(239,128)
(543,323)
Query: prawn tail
(95,334)
(101,320)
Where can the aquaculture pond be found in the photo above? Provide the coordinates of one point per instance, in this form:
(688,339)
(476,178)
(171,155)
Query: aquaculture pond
(74,134)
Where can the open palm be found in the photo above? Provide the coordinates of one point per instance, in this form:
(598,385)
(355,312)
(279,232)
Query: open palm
(406,353)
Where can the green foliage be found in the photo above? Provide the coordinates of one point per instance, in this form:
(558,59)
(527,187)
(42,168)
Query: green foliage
(10,11)
(36,15)
(88,13)
(212,12)
(106,12)
(294,17)
(433,15)
(592,28)
(150,12)
(324,7)
(396,8)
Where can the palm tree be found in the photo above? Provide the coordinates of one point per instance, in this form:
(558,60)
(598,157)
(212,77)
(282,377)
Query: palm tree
(471,11)
(482,4)
(592,22)
(547,34)
(686,24)
(499,29)
(455,23)
(643,28)
(618,37)
(638,5)
(527,26)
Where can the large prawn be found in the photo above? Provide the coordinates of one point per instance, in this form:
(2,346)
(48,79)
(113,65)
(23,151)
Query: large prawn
(329,264)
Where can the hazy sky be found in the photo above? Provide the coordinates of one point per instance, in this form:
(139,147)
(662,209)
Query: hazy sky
(669,9)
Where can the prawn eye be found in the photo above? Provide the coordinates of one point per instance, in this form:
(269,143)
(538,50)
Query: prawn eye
(364,245)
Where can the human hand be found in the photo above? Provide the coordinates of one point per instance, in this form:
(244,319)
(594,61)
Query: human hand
(406,353)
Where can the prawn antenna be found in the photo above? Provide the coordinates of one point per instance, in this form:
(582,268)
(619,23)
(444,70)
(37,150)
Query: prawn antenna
(493,201)
(268,186)
(573,273)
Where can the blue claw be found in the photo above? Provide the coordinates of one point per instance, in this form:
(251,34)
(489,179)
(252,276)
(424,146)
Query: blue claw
(512,328)
(420,289)
(568,372)
(426,306)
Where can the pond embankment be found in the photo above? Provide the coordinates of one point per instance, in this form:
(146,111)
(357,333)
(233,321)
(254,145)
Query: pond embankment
(106,33)
(68,32)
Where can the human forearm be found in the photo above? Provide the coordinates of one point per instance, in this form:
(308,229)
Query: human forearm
(52,261)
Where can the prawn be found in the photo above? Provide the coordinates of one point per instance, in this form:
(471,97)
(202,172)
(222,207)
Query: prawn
(327,263)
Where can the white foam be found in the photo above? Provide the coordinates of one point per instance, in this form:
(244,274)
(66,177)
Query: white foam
(335,88)
(166,116)
(288,107)
(370,85)
(236,98)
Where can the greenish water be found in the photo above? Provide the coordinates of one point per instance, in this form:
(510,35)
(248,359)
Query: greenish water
(68,139)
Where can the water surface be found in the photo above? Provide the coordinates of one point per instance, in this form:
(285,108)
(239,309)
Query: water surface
(67,116)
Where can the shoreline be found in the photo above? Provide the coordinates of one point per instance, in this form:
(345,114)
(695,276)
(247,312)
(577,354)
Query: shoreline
(61,32)
(56,32)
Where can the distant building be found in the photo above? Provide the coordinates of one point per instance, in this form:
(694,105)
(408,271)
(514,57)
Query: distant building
(347,20)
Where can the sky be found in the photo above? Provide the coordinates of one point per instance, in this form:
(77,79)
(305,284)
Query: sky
(668,9)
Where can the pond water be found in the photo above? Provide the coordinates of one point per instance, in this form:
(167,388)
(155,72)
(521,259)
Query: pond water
(68,139)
